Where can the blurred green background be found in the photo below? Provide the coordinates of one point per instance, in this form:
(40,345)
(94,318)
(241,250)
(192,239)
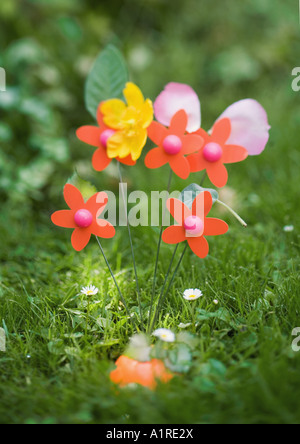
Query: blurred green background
(226,50)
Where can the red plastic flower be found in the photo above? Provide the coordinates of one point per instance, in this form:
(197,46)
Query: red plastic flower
(83,217)
(193,225)
(173,144)
(215,153)
(130,371)
(98,137)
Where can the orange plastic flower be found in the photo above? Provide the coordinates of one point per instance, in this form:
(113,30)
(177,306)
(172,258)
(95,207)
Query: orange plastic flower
(215,153)
(83,217)
(98,137)
(129,371)
(193,225)
(173,145)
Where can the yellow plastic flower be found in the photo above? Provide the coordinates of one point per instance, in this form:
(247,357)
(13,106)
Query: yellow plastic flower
(130,122)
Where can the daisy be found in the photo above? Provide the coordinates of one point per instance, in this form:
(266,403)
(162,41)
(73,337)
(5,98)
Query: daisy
(91,290)
(215,301)
(288,228)
(192,294)
(164,334)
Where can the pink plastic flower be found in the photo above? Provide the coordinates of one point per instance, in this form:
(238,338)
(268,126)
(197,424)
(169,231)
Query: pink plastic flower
(173,98)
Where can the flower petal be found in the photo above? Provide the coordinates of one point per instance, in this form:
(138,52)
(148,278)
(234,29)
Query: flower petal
(123,143)
(180,166)
(80,238)
(156,158)
(197,162)
(234,154)
(112,111)
(97,203)
(177,96)
(73,197)
(191,143)
(202,204)
(64,218)
(199,246)
(89,134)
(146,113)
(215,227)
(133,95)
(174,235)
(157,133)
(250,127)
(178,210)
(221,131)
(127,161)
(102,228)
(179,123)
(217,174)
(100,160)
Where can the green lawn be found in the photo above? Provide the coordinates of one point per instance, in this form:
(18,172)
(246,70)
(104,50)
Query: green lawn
(243,368)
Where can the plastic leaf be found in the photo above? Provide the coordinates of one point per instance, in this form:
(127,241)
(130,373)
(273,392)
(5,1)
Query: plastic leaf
(189,194)
(106,80)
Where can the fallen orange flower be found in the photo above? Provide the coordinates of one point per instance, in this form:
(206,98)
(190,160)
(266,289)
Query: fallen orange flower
(130,371)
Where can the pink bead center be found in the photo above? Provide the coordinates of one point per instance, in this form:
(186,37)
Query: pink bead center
(105,136)
(212,152)
(83,218)
(172,145)
(193,226)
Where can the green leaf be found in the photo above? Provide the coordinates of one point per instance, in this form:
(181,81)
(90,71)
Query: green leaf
(189,194)
(86,188)
(139,348)
(106,80)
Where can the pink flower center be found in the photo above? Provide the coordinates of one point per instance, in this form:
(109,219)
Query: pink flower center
(83,218)
(105,136)
(193,226)
(212,152)
(172,144)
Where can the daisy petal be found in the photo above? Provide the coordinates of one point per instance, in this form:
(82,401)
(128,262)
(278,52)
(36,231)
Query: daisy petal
(221,131)
(199,246)
(234,154)
(73,197)
(250,127)
(80,238)
(218,174)
(173,235)
(64,218)
(100,160)
(177,96)
(215,227)
(89,134)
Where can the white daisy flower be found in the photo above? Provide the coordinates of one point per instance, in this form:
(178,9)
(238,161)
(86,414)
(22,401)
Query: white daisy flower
(90,290)
(288,228)
(164,334)
(215,301)
(192,294)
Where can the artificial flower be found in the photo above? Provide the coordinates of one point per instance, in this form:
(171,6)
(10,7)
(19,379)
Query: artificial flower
(192,294)
(173,98)
(83,217)
(91,290)
(98,136)
(173,145)
(164,334)
(130,371)
(249,120)
(216,152)
(129,122)
(249,125)
(193,225)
